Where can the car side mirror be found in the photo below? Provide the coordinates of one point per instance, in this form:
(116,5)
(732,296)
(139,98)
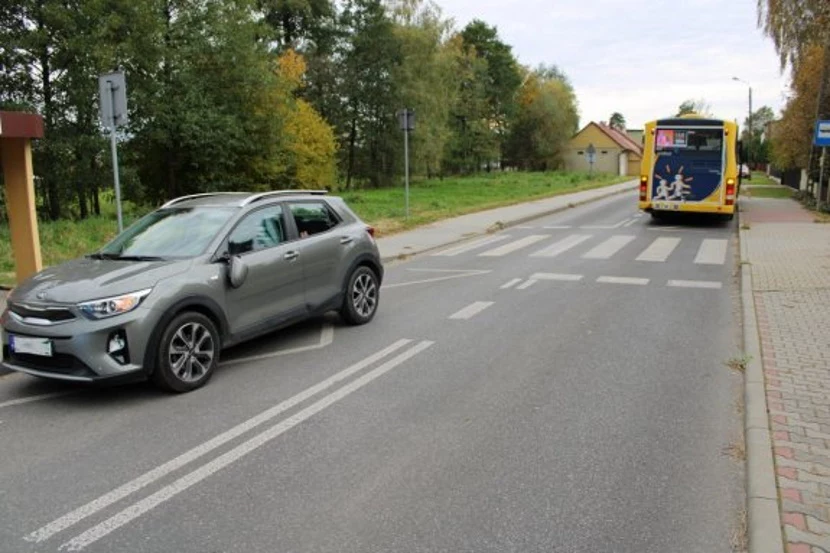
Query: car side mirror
(237,271)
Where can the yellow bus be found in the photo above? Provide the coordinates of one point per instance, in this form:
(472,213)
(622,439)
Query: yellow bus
(690,164)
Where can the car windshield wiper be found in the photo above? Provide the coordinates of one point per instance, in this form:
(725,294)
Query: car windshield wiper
(115,256)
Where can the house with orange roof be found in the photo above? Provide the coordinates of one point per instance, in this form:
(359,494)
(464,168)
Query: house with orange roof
(615,151)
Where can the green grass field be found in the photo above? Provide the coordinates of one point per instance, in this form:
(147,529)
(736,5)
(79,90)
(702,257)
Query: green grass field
(430,200)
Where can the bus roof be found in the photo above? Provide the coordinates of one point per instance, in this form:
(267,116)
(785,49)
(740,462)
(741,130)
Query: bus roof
(690,120)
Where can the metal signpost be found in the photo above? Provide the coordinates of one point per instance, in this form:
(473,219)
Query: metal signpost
(821,139)
(112,94)
(407,120)
(592,156)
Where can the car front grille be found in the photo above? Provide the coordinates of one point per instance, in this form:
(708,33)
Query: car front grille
(47,314)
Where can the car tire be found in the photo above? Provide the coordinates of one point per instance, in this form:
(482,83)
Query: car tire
(361,297)
(188,353)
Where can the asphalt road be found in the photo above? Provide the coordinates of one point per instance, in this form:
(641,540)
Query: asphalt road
(558,387)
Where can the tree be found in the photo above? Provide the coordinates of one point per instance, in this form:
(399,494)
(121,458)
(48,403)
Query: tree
(700,107)
(547,118)
(792,134)
(299,24)
(503,75)
(796,27)
(617,121)
(428,79)
(370,57)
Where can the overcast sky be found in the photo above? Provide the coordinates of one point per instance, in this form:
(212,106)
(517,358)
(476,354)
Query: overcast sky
(641,57)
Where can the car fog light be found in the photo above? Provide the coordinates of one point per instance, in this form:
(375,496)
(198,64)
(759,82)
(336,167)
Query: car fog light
(117,347)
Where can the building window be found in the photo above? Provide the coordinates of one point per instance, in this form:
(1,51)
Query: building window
(580,152)
(604,152)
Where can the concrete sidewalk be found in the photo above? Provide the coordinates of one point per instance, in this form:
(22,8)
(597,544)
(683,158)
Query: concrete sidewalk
(449,231)
(787,257)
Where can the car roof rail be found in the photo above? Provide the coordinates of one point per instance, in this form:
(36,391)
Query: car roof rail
(274,193)
(203,195)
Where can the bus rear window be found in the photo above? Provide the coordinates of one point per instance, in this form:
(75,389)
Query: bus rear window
(699,140)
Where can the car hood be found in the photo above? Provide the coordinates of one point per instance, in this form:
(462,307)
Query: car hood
(88,279)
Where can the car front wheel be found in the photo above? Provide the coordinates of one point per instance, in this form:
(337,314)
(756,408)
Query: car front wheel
(189,353)
(361,298)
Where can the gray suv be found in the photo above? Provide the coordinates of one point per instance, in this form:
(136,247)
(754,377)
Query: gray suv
(199,274)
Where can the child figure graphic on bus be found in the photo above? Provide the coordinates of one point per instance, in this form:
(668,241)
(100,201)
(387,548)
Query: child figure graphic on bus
(680,188)
(663,189)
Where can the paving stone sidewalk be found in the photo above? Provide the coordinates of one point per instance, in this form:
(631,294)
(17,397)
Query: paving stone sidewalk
(790,262)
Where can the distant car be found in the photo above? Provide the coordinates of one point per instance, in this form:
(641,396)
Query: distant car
(197,275)
(745,172)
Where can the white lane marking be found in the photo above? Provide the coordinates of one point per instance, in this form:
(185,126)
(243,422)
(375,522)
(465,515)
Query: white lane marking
(514,246)
(556,276)
(510,283)
(471,310)
(527,284)
(712,252)
(182,484)
(695,284)
(526,228)
(557,227)
(326,338)
(463,248)
(623,280)
(161,471)
(659,250)
(606,227)
(631,222)
(664,228)
(609,247)
(462,274)
(30,399)
(562,246)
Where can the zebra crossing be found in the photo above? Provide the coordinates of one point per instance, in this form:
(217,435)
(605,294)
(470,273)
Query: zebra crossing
(710,251)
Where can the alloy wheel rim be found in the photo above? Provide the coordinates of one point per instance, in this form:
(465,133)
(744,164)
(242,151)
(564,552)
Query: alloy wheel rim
(364,295)
(191,352)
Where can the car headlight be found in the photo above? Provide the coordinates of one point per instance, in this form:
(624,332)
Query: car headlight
(109,307)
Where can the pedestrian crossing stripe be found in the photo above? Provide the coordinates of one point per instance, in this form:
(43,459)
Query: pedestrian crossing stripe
(710,251)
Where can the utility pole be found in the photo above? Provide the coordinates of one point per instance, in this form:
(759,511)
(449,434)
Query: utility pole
(406,117)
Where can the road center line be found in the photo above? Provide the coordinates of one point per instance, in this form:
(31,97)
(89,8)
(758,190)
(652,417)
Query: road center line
(191,455)
(182,484)
(556,276)
(695,284)
(623,280)
(465,274)
(471,310)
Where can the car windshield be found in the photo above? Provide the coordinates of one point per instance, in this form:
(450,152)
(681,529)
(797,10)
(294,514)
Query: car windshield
(174,232)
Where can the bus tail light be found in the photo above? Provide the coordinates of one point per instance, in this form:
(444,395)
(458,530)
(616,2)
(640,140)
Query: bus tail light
(643,188)
(730,191)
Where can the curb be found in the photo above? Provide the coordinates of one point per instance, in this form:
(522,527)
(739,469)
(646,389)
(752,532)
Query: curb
(763,514)
(510,223)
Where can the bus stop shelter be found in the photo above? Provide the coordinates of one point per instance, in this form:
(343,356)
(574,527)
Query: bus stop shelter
(16,133)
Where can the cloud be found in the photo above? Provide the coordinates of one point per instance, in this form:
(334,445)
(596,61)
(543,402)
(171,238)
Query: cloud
(641,57)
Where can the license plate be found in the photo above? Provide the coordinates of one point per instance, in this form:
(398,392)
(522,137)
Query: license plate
(31,346)
(665,206)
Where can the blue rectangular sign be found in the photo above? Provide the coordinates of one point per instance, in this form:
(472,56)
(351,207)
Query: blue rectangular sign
(822,137)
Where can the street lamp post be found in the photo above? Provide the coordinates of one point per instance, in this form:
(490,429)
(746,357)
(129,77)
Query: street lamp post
(749,131)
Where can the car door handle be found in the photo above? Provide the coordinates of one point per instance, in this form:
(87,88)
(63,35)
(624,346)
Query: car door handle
(346,240)
(292,255)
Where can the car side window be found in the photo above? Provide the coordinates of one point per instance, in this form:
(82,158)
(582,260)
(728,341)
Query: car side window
(313,218)
(260,230)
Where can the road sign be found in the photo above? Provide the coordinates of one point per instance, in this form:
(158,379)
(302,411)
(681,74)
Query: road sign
(406,118)
(592,153)
(822,137)
(112,93)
